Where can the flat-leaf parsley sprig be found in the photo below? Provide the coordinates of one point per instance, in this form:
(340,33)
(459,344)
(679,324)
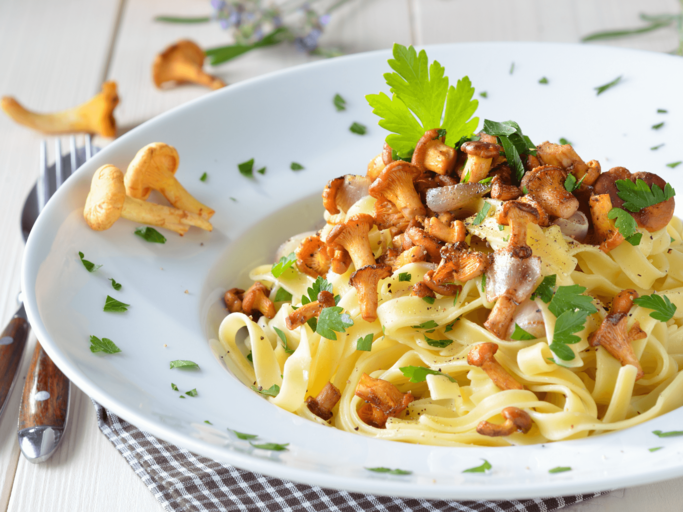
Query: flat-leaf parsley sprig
(421,100)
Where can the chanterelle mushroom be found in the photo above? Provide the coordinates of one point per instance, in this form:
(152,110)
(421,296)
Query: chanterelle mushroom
(312,258)
(256,299)
(431,154)
(416,236)
(513,274)
(387,216)
(353,236)
(395,183)
(383,395)
(459,263)
(565,157)
(343,192)
(233,300)
(501,186)
(95,116)
(154,167)
(516,420)
(107,201)
(613,336)
(323,404)
(456,232)
(546,185)
(183,62)
(365,281)
(479,157)
(304,313)
(481,355)
(606,235)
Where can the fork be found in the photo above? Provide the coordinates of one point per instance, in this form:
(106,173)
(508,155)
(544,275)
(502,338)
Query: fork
(44,408)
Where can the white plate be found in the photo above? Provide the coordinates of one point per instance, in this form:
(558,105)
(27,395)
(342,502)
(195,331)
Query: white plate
(174,289)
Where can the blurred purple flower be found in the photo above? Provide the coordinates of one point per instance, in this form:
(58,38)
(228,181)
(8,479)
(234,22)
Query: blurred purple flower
(309,42)
(324,19)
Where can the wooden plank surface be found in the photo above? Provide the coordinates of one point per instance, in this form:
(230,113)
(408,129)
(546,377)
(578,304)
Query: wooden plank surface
(51,42)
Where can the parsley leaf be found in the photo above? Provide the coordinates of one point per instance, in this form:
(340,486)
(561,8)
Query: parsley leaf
(512,68)
(486,180)
(673,165)
(545,289)
(564,141)
(429,324)
(567,324)
(296,167)
(262,170)
(420,90)
(484,94)
(192,392)
(559,469)
(283,337)
(389,471)
(638,195)
(657,126)
(655,148)
(273,390)
(673,433)
(89,266)
(602,88)
(562,351)
(521,334)
(150,235)
(331,320)
(497,129)
(365,343)
(570,184)
(482,214)
(282,265)
(428,300)
(174,387)
(663,309)
(404,276)
(250,357)
(271,446)
(208,422)
(419,373)
(480,469)
(437,343)
(320,284)
(358,129)
(115,285)
(655,449)
(103,345)
(339,103)
(571,298)
(204,176)
(543,80)
(182,363)
(662,111)
(282,295)
(625,223)
(243,436)
(514,142)
(111,305)
(247,168)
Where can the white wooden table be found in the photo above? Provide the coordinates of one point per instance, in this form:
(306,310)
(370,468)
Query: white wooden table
(56,54)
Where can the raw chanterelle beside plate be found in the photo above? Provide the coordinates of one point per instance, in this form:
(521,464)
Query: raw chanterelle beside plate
(175,289)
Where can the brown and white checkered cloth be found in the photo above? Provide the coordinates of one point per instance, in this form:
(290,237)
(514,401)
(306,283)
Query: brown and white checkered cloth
(182,482)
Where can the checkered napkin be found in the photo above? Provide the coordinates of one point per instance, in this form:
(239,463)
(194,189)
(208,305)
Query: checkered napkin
(182,482)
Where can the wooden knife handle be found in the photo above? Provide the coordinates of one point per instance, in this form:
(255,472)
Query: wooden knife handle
(12,344)
(45,401)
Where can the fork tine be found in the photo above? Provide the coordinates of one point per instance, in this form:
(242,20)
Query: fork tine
(88,147)
(74,155)
(59,168)
(42,186)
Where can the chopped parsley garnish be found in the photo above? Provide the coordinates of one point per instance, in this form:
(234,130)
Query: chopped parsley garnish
(655,148)
(480,469)
(282,295)
(204,176)
(339,103)
(111,305)
(247,168)
(626,225)
(243,436)
(358,129)
(603,88)
(332,320)
(663,309)
(521,334)
(657,126)
(429,324)
(419,373)
(428,300)
(545,289)
(262,170)
(543,80)
(103,345)
(421,100)
(512,68)
(486,180)
(483,283)
(208,422)
(250,357)
(482,213)
(174,387)
(182,363)
(389,471)
(673,165)
(484,94)
(320,284)
(365,343)
(655,449)
(283,337)
(437,343)
(672,433)
(662,111)
(638,195)
(515,143)
(559,469)
(501,227)
(115,285)
(564,141)
(571,308)
(282,265)
(181,396)
(455,300)
(192,392)
(150,235)
(404,276)
(296,167)
(525,190)
(233,199)
(271,446)
(273,390)
(570,184)
(569,298)
(89,266)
